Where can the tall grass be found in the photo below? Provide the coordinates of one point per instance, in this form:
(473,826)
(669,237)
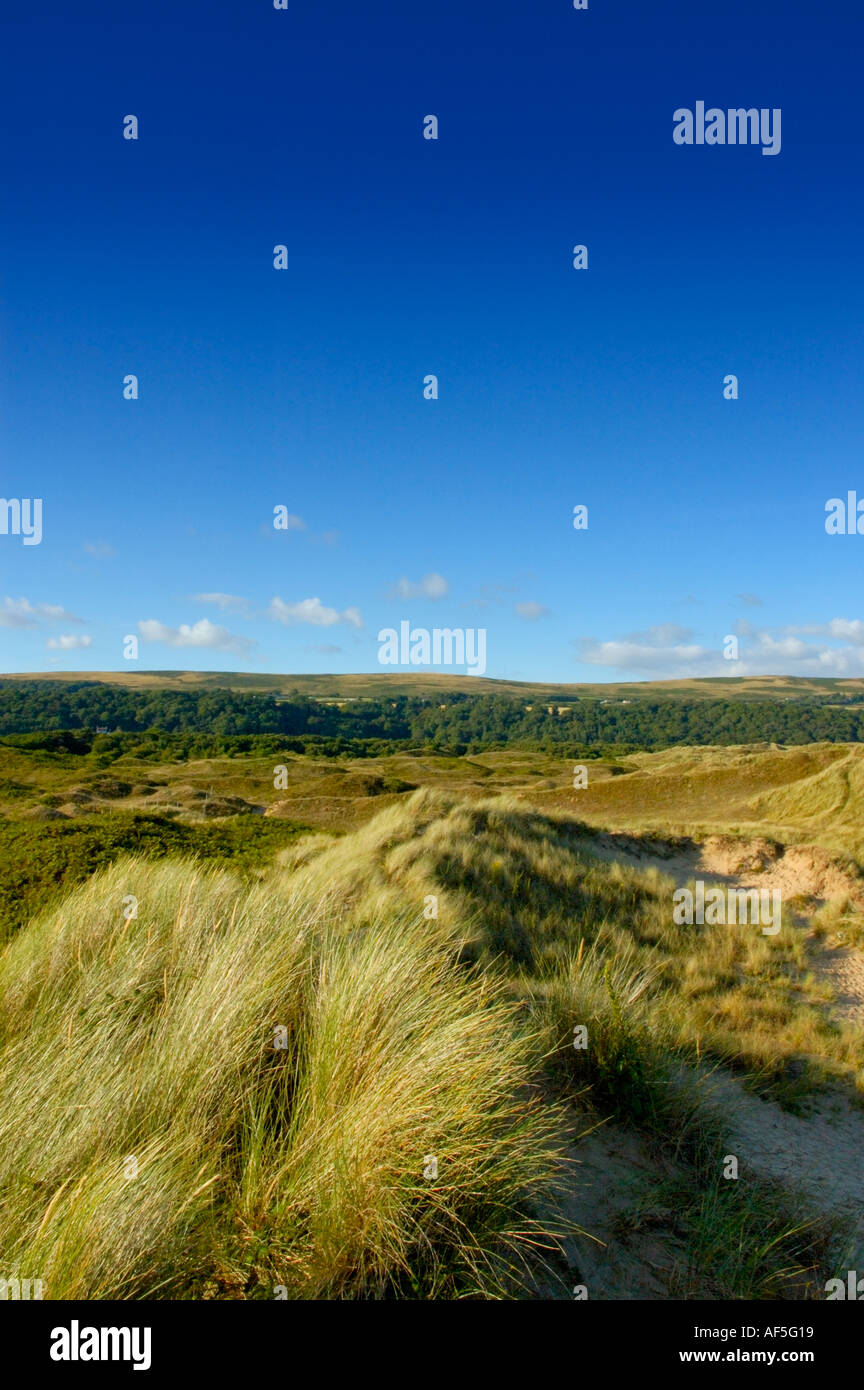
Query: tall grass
(258,1165)
(329,1084)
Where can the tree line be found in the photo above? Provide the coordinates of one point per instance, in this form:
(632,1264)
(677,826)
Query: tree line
(225,721)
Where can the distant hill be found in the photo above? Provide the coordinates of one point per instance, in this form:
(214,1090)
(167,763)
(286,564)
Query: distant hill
(379,685)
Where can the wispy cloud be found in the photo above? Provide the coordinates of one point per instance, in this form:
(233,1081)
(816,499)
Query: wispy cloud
(430,586)
(20,612)
(229,603)
(670,651)
(843,629)
(531,611)
(665,647)
(68,642)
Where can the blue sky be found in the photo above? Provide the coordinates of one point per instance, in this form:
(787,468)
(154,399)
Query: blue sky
(303,388)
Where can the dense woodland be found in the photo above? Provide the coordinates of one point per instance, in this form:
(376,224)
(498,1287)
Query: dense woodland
(223,721)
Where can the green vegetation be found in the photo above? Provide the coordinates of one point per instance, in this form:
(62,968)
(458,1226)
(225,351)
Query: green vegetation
(403,1034)
(454,721)
(538,898)
(37,861)
(282,1057)
(259,1166)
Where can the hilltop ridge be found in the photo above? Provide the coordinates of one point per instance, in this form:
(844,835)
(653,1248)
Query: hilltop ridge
(373,685)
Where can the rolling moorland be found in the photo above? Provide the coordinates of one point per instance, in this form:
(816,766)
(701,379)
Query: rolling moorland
(361,685)
(285,968)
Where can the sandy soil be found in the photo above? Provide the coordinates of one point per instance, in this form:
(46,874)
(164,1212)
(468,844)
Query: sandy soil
(820,1152)
(805,874)
(628,1247)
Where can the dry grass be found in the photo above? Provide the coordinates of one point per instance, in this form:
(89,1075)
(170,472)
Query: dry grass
(301,1166)
(417,971)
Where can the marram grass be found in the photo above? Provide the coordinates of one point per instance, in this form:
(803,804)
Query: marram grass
(329,1085)
(237,1093)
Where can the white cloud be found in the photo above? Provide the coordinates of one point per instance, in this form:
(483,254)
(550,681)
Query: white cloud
(313,612)
(660,635)
(531,611)
(681,658)
(844,629)
(665,648)
(100,550)
(229,603)
(669,651)
(200,634)
(850,630)
(786,649)
(68,642)
(20,612)
(430,586)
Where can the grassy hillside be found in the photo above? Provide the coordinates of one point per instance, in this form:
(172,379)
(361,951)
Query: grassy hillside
(241,1088)
(64,814)
(379,685)
(812,794)
(347,962)
(796,795)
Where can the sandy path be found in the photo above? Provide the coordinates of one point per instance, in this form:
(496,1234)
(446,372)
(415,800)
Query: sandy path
(819,1152)
(802,872)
